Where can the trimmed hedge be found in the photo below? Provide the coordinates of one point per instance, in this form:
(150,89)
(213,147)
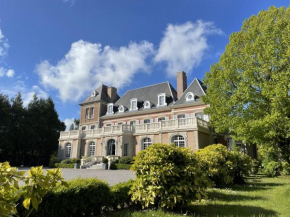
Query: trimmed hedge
(120,195)
(123,166)
(84,197)
(71,161)
(62,165)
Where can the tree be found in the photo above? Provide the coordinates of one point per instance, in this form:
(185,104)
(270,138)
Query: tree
(249,88)
(77,123)
(72,127)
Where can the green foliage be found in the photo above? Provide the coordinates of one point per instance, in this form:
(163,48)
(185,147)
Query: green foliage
(125,160)
(272,169)
(248,89)
(123,166)
(286,168)
(83,197)
(120,195)
(167,176)
(113,166)
(222,166)
(61,165)
(53,160)
(35,187)
(72,127)
(105,160)
(71,161)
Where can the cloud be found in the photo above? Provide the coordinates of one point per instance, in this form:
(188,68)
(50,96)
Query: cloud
(3,45)
(183,46)
(88,65)
(9,73)
(70,2)
(68,122)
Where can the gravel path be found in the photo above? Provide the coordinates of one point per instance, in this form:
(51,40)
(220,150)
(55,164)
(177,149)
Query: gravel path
(111,176)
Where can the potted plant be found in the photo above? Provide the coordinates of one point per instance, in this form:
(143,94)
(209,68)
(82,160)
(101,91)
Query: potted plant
(105,163)
(77,163)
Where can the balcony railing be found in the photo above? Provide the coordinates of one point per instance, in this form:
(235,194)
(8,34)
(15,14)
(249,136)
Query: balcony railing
(174,124)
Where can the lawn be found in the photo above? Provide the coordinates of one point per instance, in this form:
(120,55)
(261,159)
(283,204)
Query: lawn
(259,197)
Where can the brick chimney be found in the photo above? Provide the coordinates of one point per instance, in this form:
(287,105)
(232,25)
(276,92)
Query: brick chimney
(181,79)
(112,93)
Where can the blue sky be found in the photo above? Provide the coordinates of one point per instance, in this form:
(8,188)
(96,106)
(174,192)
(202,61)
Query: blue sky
(66,48)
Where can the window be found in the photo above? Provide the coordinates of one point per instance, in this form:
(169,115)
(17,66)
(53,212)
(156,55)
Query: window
(120,123)
(93,127)
(178,141)
(87,113)
(110,109)
(68,150)
(133,104)
(84,128)
(147,105)
(125,151)
(161,119)
(146,142)
(92,110)
(132,123)
(121,108)
(92,149)
(181,116)
(161,99)
(199,115)
(147,121)
(94,93)
(111,147)
(108,125)
(190,96)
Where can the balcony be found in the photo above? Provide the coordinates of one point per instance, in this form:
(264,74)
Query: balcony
(163,126)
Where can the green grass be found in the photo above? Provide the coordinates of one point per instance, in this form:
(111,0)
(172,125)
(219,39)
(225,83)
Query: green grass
(259,197)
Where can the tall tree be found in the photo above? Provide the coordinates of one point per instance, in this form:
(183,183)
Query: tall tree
(249,88)
(76,123)
(72,127)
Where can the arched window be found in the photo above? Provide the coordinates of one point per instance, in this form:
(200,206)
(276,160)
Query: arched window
(68,150)
(92,149)
(111,147)
(110,108)
(121,108)
(93,127)
(190,96)
(84,128)
(146,142)
(178,141)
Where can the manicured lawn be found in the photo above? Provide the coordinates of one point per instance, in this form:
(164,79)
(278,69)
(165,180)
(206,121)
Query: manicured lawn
(259,197)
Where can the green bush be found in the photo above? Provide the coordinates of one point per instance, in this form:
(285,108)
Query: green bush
(286,169)
(222,166)
(167,176)
(123,166)
(125,160)
(53,160)
(113,166)
(120,195)
(105,160)
(71,161)
(272,168)
(84,197)
(62,165)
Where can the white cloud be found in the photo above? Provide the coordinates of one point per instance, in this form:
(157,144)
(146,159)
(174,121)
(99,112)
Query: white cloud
(10,73)
(68,122)
(183,46)
(70,2)
(3,45)
(87,65)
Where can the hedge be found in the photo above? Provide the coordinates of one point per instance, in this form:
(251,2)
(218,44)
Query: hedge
(62,165)
(120,195)
(123,166)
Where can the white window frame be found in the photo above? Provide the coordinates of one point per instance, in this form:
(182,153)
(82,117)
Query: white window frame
(110,105)
(147,102)
(178,140)
(131,105)
(161,95)
(68,146)
(125,150)
(146,142)
(121,109)
(92,112)
(192,97)
(92,149)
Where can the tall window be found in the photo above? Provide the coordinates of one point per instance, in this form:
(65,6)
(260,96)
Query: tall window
(147,121)
(92,149)
(146,142)
(132,123)
(161,99)
(93,127)
(133,104)
(84,128)
(161,119)
(125,151)
(68,150)
(92,110)
(178,141)
(110,109)
(181,116)
(111,147)
(87,113)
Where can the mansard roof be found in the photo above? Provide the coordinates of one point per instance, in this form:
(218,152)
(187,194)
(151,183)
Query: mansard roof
(101,95)
(148,93)
(197,88)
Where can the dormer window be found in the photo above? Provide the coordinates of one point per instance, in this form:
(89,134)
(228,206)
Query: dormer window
(162,99)
(190,97)
(110,109)
(121,109)
(147,105)
(93,93)
(133,104)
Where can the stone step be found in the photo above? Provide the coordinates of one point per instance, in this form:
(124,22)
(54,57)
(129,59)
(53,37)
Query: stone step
(95,167)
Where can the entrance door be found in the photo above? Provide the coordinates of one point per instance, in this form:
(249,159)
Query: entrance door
(111,147)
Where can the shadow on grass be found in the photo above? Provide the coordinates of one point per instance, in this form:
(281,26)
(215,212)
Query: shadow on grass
(230,211)
(254,186)
(214,195)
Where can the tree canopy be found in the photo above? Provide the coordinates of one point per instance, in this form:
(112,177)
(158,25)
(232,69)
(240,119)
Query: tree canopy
(249,88)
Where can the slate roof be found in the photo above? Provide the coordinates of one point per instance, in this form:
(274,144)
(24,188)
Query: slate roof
(197,88)
(148,93)
(101,94)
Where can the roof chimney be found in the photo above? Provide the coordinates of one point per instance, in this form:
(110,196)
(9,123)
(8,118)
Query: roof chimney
(181,79)
(112,93)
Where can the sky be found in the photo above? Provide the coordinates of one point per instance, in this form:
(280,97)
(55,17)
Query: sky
(64,49)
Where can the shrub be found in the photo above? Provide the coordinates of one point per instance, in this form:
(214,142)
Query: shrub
(113,166)
(120,195)
(123,166)
(62,165)
(286,168)
(71,161)
(242,165)
(84,197)
(272,168)
(125,160)
(105,160)
(167,176)
(53,160)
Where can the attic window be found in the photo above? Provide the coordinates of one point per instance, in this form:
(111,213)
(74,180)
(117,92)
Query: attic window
(162,99)
(147,105)
(133,104)
(121,108)
(110,109)
(190,97)
(93,93)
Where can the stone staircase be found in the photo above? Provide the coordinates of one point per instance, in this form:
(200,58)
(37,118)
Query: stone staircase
(95,167)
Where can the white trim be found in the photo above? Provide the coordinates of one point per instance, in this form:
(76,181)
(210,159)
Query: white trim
(190,94)
(159,95)
(110,104)
(147,107)
(171,92)
(121,109)
(133,100)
